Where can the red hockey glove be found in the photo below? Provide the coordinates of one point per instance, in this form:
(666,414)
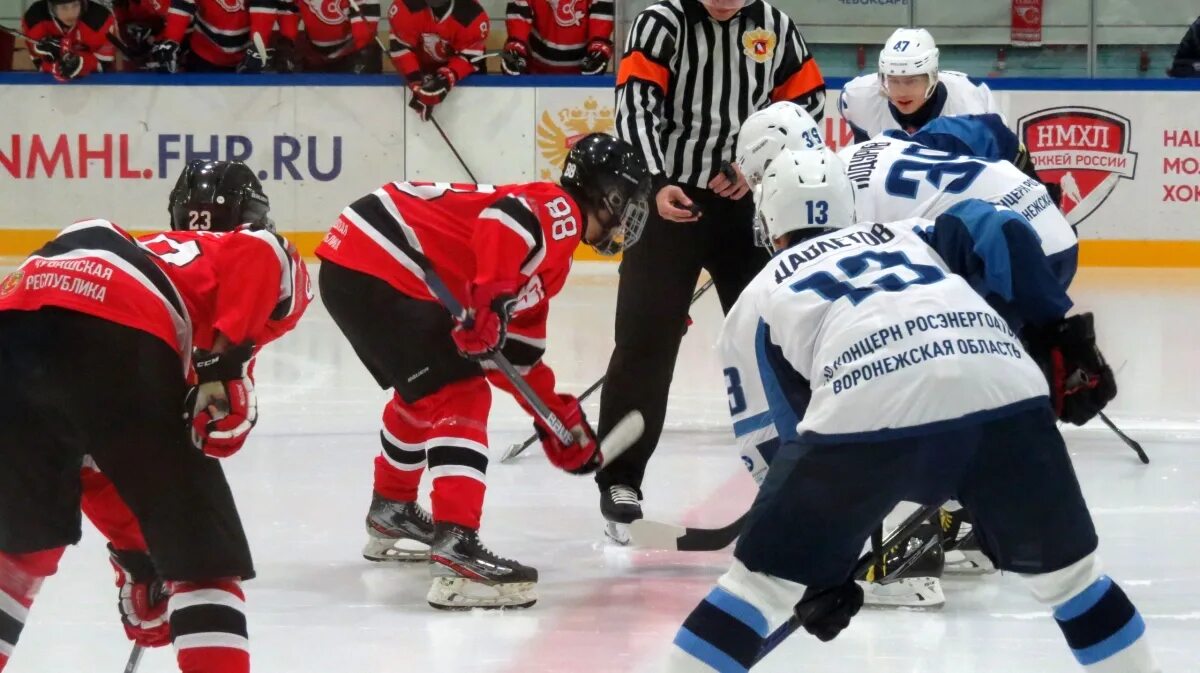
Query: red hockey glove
(582,457)
(141,598)
(599,53)
(1081,382)
(223,406)
(514,58)
(489,308)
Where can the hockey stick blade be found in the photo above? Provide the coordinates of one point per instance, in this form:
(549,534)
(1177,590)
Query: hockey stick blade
(1129,441)
(627,431)
(649,534)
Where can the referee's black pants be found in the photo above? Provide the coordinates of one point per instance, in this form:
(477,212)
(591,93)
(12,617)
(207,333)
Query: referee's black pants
(658,277)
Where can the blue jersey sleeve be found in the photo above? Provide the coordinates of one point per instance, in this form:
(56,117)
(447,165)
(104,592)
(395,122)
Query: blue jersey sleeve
(983,135)
(1000,255)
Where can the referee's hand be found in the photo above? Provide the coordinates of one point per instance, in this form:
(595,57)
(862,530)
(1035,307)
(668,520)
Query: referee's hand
(674,205)
(730,189)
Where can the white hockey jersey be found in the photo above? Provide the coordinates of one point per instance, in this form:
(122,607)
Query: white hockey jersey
(866,109)
(867,333)
(895,179)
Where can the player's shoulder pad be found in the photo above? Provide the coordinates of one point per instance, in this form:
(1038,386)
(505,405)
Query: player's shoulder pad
(38,12)
(518,212)
(285,254)
(95,15)
(467,11)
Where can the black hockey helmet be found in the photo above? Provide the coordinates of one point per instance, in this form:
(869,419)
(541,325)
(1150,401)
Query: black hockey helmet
(607,178)
(218,196)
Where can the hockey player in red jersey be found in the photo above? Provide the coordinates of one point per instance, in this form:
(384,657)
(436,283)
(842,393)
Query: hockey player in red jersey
(139,25)
(558,37)
(96,309)
(433,46)
(68,38)
(219,36)
(339,35)
(503,252)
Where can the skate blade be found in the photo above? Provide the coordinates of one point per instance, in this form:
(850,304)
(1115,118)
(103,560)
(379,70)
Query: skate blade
(618,533)
(968,563)
(402,550)
(924,593)
(461,593)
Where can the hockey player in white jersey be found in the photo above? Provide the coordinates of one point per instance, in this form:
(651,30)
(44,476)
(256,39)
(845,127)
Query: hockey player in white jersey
(875,342)
(909,90)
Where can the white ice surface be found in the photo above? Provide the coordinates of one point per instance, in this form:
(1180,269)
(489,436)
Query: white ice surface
(303,483)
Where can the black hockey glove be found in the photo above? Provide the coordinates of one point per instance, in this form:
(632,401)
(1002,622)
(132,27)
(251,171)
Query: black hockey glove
(514,58)
(47,49)
(139,40)
(827,612)
(254,62)
(68,67)
(164,57)
(599,53)
(1081,382)
(285,61)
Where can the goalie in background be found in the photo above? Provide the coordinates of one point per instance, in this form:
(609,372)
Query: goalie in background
(909,90)
(846,319)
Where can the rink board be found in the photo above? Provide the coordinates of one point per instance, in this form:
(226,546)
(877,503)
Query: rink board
(110,147)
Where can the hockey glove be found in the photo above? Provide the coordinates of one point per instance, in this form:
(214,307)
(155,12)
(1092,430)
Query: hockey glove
(69,67)
(827,612)
(139,40)
(223,407)
(284,59)
(141,598)
(1081,382)
(437,85)
(582,457)
(599,53)
(255,62)
(490,306)
(164,57)
(47,49)
(514,58)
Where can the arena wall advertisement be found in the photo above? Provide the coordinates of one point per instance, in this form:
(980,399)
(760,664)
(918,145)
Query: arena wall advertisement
(1129,162)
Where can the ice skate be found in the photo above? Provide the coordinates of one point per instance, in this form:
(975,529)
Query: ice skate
(909,573)
(963,554)
(468,575)
(397,531)
(620,505)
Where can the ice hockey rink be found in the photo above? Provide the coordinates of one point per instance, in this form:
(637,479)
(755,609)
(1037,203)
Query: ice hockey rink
(303,485)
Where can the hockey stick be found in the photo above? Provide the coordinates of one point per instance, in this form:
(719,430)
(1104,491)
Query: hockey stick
(261,48)
(619,439)
(135,658)
(804,607)
(1137,448)
(649,534)
(515,450)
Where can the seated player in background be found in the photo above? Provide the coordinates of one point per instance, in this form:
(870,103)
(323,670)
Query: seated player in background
(434,45)
(219,37)
(898,319)
(162,325)
(139,26)
(337,36)
(224,197)
(68,38)
(504,252)
(558,38)
(909,90)
(1187,55)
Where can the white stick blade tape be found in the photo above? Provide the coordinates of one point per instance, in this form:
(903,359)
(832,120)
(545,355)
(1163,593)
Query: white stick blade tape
(655,534)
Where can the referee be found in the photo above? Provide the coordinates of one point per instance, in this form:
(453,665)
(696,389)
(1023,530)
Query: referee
(691,72)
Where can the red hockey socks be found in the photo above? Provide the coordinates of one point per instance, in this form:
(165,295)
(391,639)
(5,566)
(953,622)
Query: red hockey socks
(208,627)
(21,576)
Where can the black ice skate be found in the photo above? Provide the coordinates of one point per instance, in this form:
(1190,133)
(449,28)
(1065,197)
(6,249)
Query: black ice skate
(620,505)
(963,554)
(910,572)
(468,575)
(397,531)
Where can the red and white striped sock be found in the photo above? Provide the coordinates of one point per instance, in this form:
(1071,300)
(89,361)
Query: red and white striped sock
(208,627)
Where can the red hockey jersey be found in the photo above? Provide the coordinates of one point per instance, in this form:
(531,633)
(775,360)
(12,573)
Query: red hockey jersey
(88,37)
(333,27)
(181,287)
(221,29)
(558,32)
(150,13)
(466,233)
(422,42)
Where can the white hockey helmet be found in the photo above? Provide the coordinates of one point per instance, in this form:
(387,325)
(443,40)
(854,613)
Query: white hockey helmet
(909,52)
(804,189)
(764,134)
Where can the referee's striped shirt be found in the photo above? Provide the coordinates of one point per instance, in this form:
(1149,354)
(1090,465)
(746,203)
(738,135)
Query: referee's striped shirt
(686,82)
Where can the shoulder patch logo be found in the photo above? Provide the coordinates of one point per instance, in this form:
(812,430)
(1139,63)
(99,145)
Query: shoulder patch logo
(11,282)
(759,44)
